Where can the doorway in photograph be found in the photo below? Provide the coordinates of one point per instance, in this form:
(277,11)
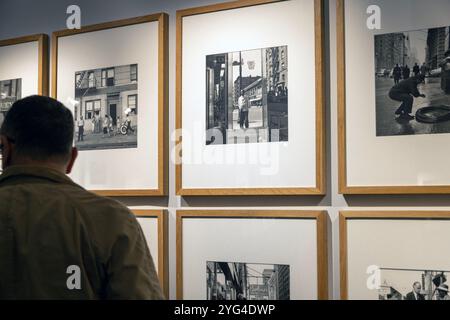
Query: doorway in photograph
(412,72)
(247,281)
(106,108)
(247,96)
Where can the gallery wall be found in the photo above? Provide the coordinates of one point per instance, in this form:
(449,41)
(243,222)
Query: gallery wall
(23,17)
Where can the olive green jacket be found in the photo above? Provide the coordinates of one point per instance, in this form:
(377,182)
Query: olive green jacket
(59,241)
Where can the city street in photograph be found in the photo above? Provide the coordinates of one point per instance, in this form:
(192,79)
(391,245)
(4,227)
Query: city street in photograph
(247,281)
(412,72)
(408,284)
(247,96)
(106,108)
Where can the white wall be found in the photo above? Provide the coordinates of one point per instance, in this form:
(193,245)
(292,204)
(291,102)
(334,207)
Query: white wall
(22,17)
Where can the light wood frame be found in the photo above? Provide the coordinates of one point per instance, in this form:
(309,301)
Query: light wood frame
(320,188)
(322,244)
(42,40)
(344,216)
(163,244)
(163,90)
(342,152)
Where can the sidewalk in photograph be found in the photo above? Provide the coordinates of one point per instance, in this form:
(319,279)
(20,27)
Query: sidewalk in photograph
(389,124)
(99,141)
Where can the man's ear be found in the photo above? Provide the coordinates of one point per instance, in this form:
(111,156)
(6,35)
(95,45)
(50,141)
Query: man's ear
(7,149)
(73,157)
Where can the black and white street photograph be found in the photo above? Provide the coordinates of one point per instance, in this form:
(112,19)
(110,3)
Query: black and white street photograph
(106,108)
(10,92)
(247,281)
(412,76)
(414,284)
(247,96)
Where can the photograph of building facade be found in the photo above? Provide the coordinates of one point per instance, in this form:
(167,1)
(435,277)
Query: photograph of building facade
(106,108)
(247,281)
(408,284)
(247,96)
(10,92)
(399,59)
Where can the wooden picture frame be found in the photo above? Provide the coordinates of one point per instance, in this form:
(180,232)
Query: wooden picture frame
(163,244)
(344,188)
(163,91)
(43,72)
(322,245)
(344,216)
(320,188)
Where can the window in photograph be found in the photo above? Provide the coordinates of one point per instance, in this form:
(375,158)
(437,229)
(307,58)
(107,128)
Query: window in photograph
(132,103)
(133,72)
(91,80)
(108,77)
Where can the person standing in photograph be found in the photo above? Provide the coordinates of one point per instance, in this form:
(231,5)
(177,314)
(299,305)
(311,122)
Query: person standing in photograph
(415,293)
(128,123)
(405,92)
(442,292)
(105,124)
(445,73)
(416,69)
(406,72)
(397,74)
(424,71)
(80,129)
(243,110)
(118,124)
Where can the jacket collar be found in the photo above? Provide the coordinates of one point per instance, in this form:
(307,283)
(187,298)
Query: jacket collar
(38,172)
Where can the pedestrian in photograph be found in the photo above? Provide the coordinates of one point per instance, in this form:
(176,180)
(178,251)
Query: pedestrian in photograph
(80,129)
(105,124)
(424,71)
(405,92)
(415,293)
(442,292)
(118,125)
(243,111)
(397,74)
(416,69)
(445,73)
(128,124)
(406,72)
(110,126)
(96,122)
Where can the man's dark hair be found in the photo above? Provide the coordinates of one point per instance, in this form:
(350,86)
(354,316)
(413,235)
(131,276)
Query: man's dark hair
(41,128)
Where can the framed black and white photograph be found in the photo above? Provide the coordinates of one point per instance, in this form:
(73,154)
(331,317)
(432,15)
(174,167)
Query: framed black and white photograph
(23,70)
(393,96)
(411,72)
(413,284)
(247,281)
(240,129)
(251,265)
(106,108)
(10,92)
(394,255)
(118,95)
(255,107)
